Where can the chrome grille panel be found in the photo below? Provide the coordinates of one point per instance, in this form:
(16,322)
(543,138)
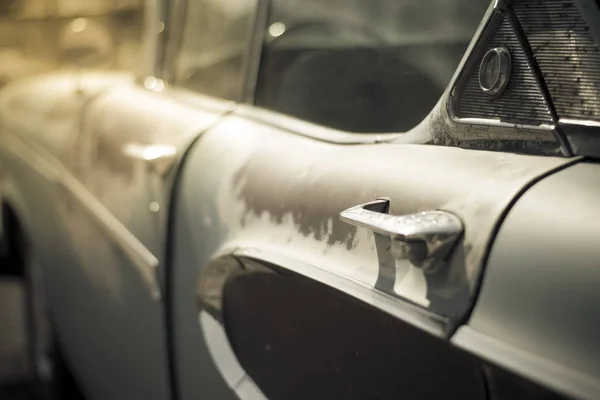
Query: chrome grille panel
(521,103)
(566,54)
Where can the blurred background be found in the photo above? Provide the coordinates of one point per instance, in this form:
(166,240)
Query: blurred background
(32,31)
(33,37)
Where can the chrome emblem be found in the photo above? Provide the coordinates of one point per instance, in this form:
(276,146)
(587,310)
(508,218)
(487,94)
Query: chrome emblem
(494,71)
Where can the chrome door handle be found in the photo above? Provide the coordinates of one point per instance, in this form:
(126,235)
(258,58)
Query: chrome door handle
(426,238)
(157,156)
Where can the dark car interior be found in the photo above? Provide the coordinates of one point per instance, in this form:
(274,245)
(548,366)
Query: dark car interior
(382,91)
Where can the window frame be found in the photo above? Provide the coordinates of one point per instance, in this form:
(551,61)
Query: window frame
(247,108)
(275,117)
(152,59)
(174,42)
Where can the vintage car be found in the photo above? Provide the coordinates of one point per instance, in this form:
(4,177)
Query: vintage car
(310,199)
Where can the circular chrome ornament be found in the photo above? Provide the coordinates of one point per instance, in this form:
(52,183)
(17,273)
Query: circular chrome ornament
(494,71)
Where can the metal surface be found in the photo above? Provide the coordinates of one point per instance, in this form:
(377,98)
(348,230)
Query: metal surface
(210,318)
(522,101)
(536,312)
(563,46)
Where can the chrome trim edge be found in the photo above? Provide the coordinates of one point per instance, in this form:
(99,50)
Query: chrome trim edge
(401,309)
(482,33)
(589,123)
(500,124)
(531,366)
(254,53)
(225,359)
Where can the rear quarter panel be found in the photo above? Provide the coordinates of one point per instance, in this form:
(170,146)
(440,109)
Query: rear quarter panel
(537,313)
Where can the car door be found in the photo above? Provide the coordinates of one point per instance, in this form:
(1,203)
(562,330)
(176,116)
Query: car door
(114,209)
(317,254)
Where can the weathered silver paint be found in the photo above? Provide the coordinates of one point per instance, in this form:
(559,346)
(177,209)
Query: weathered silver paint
(278,189)
(537,310)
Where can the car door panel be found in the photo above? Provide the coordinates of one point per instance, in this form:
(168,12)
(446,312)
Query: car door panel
(540,292)
(113,231)
(276,195)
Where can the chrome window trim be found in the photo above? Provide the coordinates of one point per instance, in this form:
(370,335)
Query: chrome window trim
(254,51)
(212,282)
(172,46)
(500,124)
(145,262)
(225,360)
(322,133)
(588,123)
(488,18)
(152,59)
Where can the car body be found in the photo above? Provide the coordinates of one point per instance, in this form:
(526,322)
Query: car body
(320,199)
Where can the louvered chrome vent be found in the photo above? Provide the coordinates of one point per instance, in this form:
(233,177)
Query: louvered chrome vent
(566,53)
(522,102)
(555,66)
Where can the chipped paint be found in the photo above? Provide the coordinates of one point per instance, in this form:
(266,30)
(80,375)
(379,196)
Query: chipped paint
(271,189)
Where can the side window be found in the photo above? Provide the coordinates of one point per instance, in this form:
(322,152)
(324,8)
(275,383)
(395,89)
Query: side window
(214,45)
(363,65)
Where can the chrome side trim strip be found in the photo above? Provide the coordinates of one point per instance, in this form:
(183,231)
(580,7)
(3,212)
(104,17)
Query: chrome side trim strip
(401,309)
(54,172)
(500,124)
(589,123)
(548,373)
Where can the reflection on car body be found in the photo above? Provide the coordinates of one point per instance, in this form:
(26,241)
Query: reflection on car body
(312,199)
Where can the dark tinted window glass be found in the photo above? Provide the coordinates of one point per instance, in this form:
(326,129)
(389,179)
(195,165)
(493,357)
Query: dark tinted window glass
(214,43)
(363,65)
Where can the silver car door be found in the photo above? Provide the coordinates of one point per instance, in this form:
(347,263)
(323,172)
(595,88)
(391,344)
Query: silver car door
(285,232)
